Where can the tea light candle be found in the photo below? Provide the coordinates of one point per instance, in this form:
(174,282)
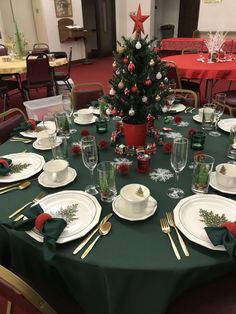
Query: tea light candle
(143,163)
(198,140)
(101,125)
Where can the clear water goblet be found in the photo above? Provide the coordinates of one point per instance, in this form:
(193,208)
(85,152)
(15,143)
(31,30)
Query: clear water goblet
(178,160)
(219,110)
(68,107)
(90,160)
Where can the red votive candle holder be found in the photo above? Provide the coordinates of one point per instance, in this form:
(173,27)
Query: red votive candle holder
(143,163)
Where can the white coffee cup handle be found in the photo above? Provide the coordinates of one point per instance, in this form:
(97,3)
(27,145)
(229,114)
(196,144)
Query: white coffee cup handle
(75,114)
(54,177)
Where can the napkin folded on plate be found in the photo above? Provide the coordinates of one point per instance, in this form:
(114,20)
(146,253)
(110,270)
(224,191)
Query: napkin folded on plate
(224,235)
(25,126)
(5,166)
(50,228)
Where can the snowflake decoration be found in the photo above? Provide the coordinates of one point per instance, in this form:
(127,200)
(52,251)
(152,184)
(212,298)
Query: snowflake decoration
(183,124)
(173,134)
(119,161)
(161,175)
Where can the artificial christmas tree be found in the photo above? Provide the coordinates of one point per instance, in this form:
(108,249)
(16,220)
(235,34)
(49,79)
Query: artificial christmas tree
(139,85)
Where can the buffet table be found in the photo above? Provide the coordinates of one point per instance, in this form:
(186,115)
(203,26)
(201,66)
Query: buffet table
(133,269)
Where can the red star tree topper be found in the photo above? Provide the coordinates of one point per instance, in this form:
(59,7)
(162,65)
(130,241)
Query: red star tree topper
(139,19)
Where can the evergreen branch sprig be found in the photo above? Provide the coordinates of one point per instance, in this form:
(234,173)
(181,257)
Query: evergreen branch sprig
(210,219)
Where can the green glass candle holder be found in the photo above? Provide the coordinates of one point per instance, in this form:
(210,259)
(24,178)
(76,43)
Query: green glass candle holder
(198,140)
(101,125)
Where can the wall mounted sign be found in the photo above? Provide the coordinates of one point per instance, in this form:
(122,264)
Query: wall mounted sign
(63,8)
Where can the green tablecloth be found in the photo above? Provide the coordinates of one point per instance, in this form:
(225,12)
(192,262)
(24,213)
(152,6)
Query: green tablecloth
(131,271)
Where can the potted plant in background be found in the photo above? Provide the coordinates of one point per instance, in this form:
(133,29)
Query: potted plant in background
(139,85)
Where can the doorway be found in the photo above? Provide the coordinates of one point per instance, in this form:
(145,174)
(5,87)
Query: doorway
(100,19)
(188,17)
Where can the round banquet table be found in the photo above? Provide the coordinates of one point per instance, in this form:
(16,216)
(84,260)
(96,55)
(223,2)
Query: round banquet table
(133,270)
(19,66)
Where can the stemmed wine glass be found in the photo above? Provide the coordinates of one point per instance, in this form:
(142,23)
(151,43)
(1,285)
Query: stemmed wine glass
(69,109)
(178,162)
(219,110)
(90,159)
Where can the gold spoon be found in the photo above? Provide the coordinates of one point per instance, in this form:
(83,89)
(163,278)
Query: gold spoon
(21,186)
(103,230)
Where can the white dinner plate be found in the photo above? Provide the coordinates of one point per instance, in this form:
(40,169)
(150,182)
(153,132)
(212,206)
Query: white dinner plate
(43,180)
(121,212)
(31,164)
(50,125)
(95,110)
(188,219)
(36,144)
(87,212)
(177,108)
(226,124)
(78,121)
(219,187)
(197,118)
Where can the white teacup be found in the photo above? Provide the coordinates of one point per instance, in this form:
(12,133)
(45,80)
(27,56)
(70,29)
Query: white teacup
(208,111)
(56,170)
(44,137)
(226,175)
(134,199)
(84,115)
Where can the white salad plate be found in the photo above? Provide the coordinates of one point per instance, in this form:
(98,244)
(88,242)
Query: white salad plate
(227,124)
(31,164)
(80,122)
(36,144)
(215,185)
(188,219)
(197,118)
(120,211)
(50,125)
(86,212)
(43,180)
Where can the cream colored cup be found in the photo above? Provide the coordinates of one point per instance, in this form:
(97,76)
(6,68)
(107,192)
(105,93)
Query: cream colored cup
(84,115)
(43,138)
(208,113)
(56,170)
(134,199)
(226,175)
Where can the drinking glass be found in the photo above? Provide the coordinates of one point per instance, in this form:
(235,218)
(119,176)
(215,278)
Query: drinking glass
(90,160)
(178,162)
(63,124)
(68,107)
(219,110)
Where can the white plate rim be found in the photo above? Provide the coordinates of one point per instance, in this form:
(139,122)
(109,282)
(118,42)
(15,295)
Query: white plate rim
(8,179)
(73,173)
(95,110)
(33,134)
(151,213)
(75,236)
(190,236)
(219,187)
(177,108)
(38,147)
(224,126)
(197,118)
(93,120)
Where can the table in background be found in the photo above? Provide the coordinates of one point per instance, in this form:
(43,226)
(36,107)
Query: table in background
(131,270)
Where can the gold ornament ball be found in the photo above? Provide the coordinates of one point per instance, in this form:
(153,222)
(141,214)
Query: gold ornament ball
(114,64)
(152,63)
(158,97)
(121,49)
(121,85)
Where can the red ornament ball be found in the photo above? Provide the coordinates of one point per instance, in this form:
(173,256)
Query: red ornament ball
(167,147)
(114,112)
(177,119)
(134,89)
(131,67)
(41,219)
(122,114)
(75,149)
(84,132)
(126,60)
(148,82)
(126,91)
(102,144)
(32,124)
(123,168)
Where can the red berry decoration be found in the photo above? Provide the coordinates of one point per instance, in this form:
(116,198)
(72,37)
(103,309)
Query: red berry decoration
(84,132)
(114,112)
(148,82)
(167,147)
(231,227)
(131,67)
(32,124)
(41,219)
(177,119)
(102,144)
(126,60)
(123,168)
(134,89)
(191,132)
(75,149)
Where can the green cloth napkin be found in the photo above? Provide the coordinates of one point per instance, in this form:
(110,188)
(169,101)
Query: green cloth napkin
(51,229)
(5,166)
(24,126)
(222,236)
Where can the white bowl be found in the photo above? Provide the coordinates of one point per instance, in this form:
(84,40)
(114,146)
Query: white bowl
(133,201)
(227,178)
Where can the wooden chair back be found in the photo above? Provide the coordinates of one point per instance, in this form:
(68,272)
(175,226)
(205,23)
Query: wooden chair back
(84,93)
(172,72)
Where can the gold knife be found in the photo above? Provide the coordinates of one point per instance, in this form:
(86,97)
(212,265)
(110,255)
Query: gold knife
(85,241)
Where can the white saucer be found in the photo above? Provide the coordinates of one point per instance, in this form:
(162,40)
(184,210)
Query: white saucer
(43,180)
(147,212)
(197,118)
(36,145)
(95,110)
(218,187)
(78,121)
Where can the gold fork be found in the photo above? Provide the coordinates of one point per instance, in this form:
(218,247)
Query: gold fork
(166,229)
(171,221)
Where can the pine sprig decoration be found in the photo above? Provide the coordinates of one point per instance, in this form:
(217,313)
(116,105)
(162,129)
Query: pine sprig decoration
(210,219)
(68,213)
(139,80)
(17,168)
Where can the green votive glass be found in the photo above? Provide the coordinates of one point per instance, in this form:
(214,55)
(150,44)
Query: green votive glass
(198,140)
(101,125)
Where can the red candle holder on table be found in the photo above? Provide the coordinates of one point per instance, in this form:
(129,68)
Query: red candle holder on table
(144,161)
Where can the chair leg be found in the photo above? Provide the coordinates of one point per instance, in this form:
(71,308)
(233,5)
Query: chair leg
(5,102)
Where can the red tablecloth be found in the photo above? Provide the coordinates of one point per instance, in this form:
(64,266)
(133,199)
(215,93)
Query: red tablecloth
(189,67)
(179,44)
